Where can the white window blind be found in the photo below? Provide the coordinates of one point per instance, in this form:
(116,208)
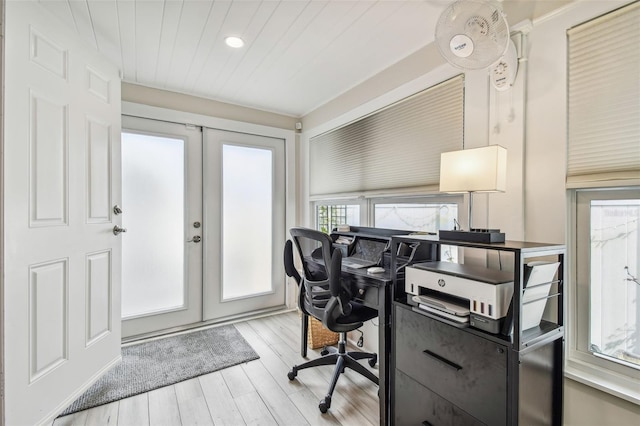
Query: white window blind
(395,148)
(604,98)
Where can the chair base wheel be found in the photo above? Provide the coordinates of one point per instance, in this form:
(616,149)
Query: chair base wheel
(324,351)
(372,361)
(325,404)
(292,374)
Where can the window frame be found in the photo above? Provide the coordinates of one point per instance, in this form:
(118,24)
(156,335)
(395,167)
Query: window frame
(580,364)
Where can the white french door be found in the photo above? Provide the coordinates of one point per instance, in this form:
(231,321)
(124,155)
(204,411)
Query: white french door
(162,213)
(244,186)
(205,215)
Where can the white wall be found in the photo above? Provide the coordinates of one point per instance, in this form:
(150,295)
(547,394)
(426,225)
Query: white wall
(534,208)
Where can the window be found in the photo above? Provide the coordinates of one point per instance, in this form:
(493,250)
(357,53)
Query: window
(603,152)
(614,280)
(363,172)
(426,214)
(329,216)
(606,339)
(427,217)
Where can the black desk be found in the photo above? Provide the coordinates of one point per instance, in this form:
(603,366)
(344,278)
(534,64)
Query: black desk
(374,291)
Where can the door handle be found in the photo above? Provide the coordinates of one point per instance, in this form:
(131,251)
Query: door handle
(195,239)
(118,230)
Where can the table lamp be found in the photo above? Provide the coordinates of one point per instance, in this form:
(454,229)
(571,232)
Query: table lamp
(474,170)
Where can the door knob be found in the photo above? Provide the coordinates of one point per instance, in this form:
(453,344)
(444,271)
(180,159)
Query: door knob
(117,209)
(195,239)
(118,230)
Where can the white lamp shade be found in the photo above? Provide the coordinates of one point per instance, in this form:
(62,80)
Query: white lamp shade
(474,170)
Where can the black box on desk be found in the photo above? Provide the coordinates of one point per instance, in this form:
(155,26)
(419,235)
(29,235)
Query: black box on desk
(345,244)
(487,324)
(486,236)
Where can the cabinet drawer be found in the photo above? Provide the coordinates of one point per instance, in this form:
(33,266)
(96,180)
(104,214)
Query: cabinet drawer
(365,292)
(465,369)
(417,405)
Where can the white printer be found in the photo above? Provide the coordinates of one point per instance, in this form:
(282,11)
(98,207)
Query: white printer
(487,292)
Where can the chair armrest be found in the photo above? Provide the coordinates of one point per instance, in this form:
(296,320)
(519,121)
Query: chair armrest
(342,294)
(289,266)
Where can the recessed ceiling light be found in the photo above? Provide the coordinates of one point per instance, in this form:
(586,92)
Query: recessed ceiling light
(235,42)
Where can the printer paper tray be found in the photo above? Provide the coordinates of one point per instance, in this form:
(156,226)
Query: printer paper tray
(448,306)
(440,317)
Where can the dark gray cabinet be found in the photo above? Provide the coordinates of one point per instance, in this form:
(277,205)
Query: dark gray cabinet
(420,406)
(468,371)
(445,375)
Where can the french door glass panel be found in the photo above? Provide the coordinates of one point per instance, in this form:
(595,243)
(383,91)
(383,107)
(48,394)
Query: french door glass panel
(244,211)
(153,251)
(247,190)
(162,203)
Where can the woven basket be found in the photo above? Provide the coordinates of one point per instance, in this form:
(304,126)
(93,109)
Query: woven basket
(318,336)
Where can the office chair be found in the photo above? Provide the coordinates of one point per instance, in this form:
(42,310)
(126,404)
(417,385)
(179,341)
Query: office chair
(323,296)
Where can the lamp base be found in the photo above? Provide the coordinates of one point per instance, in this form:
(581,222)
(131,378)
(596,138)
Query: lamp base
(473,236)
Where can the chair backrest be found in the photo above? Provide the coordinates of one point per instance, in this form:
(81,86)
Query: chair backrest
(321,266)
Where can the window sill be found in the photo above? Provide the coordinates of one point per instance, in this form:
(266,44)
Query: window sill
(604,380)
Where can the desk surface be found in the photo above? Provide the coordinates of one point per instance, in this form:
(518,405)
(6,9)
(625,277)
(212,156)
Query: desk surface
(521,246)
(383,278)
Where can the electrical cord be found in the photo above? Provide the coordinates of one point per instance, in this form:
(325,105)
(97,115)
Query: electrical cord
(360,342)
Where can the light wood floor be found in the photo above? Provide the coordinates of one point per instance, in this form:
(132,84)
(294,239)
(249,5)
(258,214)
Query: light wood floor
(254,393)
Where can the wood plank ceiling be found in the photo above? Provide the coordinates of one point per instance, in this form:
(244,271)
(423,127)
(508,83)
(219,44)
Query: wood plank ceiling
(298,55)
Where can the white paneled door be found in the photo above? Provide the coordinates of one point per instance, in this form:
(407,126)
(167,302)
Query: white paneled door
(162,212)
(61,181)
(244,180)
